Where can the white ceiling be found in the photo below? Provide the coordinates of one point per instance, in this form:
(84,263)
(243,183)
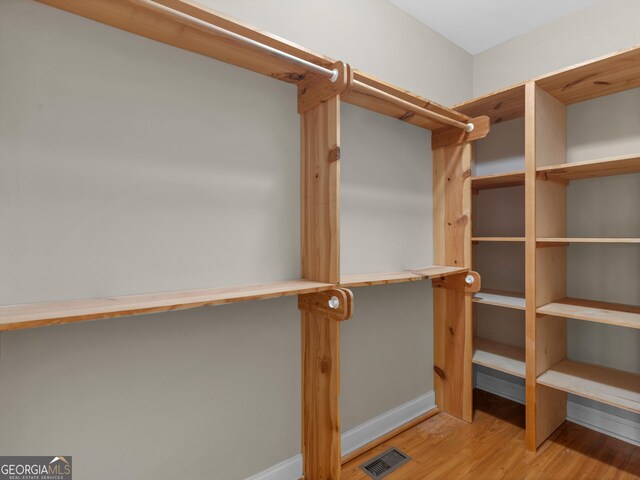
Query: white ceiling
(477,25)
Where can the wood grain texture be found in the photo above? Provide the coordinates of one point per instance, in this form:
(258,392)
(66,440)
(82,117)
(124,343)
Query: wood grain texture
(381,101)
(551,209)
(530,263)
(319,303)
(604,167)
(320,394)
(320,257)
(551,348)
(459,282)
(315,89)
(505,358)
(320,192)
(453,332)
(497,180)
(551,275)
(393,433)
(545,214)
(14,317)
(501,105)
(594,311)
(376,104)
(384,278)
(445,448)
(613,387)
(612,73)
(452,205)
(500,298)
(497,239)
(439,271)
(443,137)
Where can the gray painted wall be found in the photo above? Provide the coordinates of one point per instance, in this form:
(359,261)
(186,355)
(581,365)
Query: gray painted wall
(129,166)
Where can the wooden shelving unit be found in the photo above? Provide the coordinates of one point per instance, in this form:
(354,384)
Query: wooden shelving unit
(497,239)
(542,102)
(562,240)
(15,317)
(385,278)
(501,107)
(504,358)
(591,169)
(593,311)
(497,180)
(500,298)
(612,73)
(322,85)
(613,387)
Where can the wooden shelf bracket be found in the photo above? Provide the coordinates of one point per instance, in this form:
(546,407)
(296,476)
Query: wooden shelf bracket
(469,282)
(316,89)
(334,304)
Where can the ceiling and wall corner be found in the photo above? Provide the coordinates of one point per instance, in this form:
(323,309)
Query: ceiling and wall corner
(604,27)
(477,26)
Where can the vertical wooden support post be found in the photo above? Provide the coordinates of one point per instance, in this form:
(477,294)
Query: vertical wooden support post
(452,308)
(546,216)
(320,192)
(321,382)
(320,249)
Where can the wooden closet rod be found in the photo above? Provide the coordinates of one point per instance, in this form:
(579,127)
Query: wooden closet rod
(331,74)
(412,107)
(194,22)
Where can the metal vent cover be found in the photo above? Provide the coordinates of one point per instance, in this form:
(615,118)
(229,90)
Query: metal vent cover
(385,463)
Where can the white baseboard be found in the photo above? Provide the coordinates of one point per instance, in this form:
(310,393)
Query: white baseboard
(355,438)
(589,417)
(500,387)
(290,469)
(604,422)
(378,426)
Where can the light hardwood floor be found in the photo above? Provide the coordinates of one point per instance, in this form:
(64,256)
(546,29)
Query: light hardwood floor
(492,447)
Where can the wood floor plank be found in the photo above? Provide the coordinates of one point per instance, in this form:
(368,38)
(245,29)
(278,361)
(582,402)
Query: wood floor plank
(492,447)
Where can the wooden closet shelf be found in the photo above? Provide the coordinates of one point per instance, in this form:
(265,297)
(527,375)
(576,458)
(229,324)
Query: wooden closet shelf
(497,180)
(591,168)
(505,358)
(500,106)
(14,317)
(613,73)
(594,311)
(384,278)
(497,239)
(500,298)
(614,387)
(543,241)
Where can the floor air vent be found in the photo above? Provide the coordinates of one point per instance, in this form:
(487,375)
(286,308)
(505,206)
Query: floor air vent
(385,463)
